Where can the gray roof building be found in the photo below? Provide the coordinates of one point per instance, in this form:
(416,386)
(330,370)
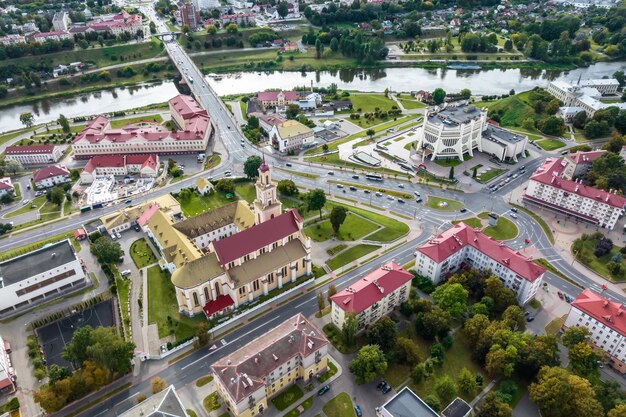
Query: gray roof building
(162,404)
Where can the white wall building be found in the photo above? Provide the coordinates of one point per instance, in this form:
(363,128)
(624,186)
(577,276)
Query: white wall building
(38,277)
(290,136)
(6,186)
(61,21)
(549,187)
(373,296)
(7,373)
(584,95)
(51,176)
(34,155)
(606,321)
(461,244)
(146,166)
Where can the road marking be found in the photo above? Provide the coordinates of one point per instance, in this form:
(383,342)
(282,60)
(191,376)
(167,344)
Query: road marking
(126,399)
(303,303)
(102,412)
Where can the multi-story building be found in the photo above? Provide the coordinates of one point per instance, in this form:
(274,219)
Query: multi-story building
(461,245)
(12,40)
(373,296)
(290,136)
(549,188)
(50,36)
(196,129)
(579,163)
(238,18)
(34,154)
(247,378)
(146,166)
(606,86)
(7,373)
(50,176)
(119,23)
(190,16)
(165,403)
(38,277)
(268,121)
(61,21)
(273,99)
(584,96)
(606,321)
(452,131)
(128,217)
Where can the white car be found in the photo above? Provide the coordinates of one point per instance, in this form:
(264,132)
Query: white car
(117,235)
(513,215)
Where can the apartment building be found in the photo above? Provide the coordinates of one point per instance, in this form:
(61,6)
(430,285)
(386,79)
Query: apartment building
(50,176)
(146,166)
(190,15)
(373,296)
(247,378)
(119,23)
(606,321)
(139,214)
(579,163)
(462,245)
(61,21)
(290,136)
(548,187)
(34,154)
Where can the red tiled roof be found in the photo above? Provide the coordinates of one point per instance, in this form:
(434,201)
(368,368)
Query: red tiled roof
(147,215)
(5,186)
(219,304)
(32,149)
(363,293)
(256,237)
(112,161)
(607,312)
(49,172)
(273,95)
(584,157)
(461,235)
(186,106)
(6,382)
(550,174)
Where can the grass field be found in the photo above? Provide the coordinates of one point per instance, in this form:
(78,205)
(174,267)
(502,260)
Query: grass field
(162,304)
(555,325)
(489,175)
(393,229)
(505,229)
(550,144)
(198,204)
(369,102)
(34,205)
(306,404)
(12,135)
(474,222)
(340,406)
(115,124)
(287,397)
(410,104)
(247,191)
(350,255)
(123,288)
(141,253)
(212,161)
(433,202)
(353,228)
(598,264)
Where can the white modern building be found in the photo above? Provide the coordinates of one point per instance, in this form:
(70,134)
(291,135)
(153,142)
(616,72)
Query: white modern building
(373,296)
(584,96)
(7,373)
(606,321)
(38,277)
(34,154)
(548,187)
(290,136)
(460,245)
(50,176)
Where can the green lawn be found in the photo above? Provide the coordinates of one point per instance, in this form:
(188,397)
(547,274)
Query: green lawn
(204,380)
(350,255)
(211,402)
(247,191)
(505,229)
(393,229)
(555,325)
(123,288)
(48,208)
(13,134)
(243,107)
(162,304)
(115,124)
(370,101)
(474,222)
(353,228)
(287,397)
(489,175)
(396,374)
(433,202)
(198,204)
(191,412)
(340,406)
(212,161)
(34,205)
(306,404)
(141,253)
(332,370)
(550,144)
(12,253)
(411,104)
(588,258)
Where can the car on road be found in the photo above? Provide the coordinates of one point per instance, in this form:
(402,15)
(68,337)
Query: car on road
(227,174)
(529,319)
(367,191)
(339,186)
(514,215)
(417,194)
(514,210)
(379,195)
(288,165)
(25,202)
(389,197)
(463,210)
(419,200)
(400,185)
(357,410)
(356,177)
(401,201)
(352,188)
(331,173)
(323,390)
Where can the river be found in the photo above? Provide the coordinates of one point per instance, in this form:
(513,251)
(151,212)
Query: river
(497,81)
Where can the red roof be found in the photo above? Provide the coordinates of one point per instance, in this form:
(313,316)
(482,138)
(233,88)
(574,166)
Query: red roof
(113,161)
(372,288)
(550,173)
(256,237)
(461,235)
(273,95)
(186,106)
(5,186)
(584,157)
(607,312)
(49,172)
(78,233)
(27,150)
(219,304)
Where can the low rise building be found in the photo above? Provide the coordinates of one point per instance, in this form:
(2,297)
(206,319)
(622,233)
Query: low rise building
(34,154)
(290,136)
(295,350)
(50,36)
(405,403)
(165,403)
(268,121)
(146,166)
(238,18)
(462,245)
(457,408)
(128,217)
(51,176)
(273,99)
(503,144)
(373,296)
(606,321)
(203,186)
(118,24)
(38,277)
(7,373)
(548,187)
(12,40)
(6,186)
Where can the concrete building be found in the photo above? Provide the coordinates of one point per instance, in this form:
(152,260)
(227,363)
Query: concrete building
(196,129)
(51,176)
(461,245)
(61,21)
(247,378)
(290,136)
(273,99)
(38,277)
(12,40)
(549,187)
(238,18)
(49,36)
(166,403)
(373,296)
(119,23)
(606,86)
(146,166)
(606,321)
(34,154)
(190,16)
(579,163)
(584,95)
(207,4)
(128,217)
(502,144)
(7,373)
(405,403)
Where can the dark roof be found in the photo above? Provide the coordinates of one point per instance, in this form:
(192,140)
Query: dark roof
(407,404)
(28,150)
(33,263)
(457,408)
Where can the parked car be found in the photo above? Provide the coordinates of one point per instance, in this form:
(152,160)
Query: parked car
(381,385)
(560,294)
(526,313)
(356,177)
(357,410)
(463,210)
(417,193)
(529,319)
(118,235)
(386,388)
(323,390)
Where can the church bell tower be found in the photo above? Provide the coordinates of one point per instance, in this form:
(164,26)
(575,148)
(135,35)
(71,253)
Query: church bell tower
(266,206)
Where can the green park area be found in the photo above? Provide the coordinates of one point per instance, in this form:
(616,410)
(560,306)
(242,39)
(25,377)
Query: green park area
(438,203)
(287,397)
(505,229)
(141,253)
(246,190)
(550,144)
(354,227)
(370,102)
(410,104)
(490,174)
(474,222)
(115,124)
(350,254)
(599,254)
(197,204)
(340,406)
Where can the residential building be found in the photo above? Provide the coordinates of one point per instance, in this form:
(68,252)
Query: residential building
(144,165)
(190,16)
(579,163)
(207,4)
(38,277)
(6,186)
(373,296)
(462,245)
(50,176)
(268,121)
(12,40)
(203,186)
(290,47)
(548,187)
(7,373)
(238,18)
(165,403)
(309,102)
(34,154)
(196,129)
(290,136)
(405,403)
(128,217)
(247,378)
(50,36)
(119,23)
(273,99)
(61,21)
(585,95)
(606,321)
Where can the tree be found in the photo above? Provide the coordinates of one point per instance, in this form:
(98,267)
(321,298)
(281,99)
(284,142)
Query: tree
(225,185)
(451,174)
(334,44)
(383,333)
(202,335)
(64,123)
(541,351)
(157,384)
(57,373)
(251,166)
(110,350)
(76,351)
(27,119)
(418,373)
(325,147)
(553,106)
(508,45)
(185,194)
(553,126)
(466,93)
(369,363)
(370,133)
(232,28)
(349,329)
(433,323)
(56,195)
(574,335)
(474,327)
(445,389)
(407,351)
(253,122)
(332,290)
(558,393)
(493,407)
(619,411)
(580,119)
(316,200)
(321,301)
(528,123)
(514,317)
(583,361)
(318,48)
(337,217)
(292,111)
(211,29)
(467,382)
(106,251)
(282,9)
(451,298)
(439,95)
(4,91)
(287,187)
(502,296)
